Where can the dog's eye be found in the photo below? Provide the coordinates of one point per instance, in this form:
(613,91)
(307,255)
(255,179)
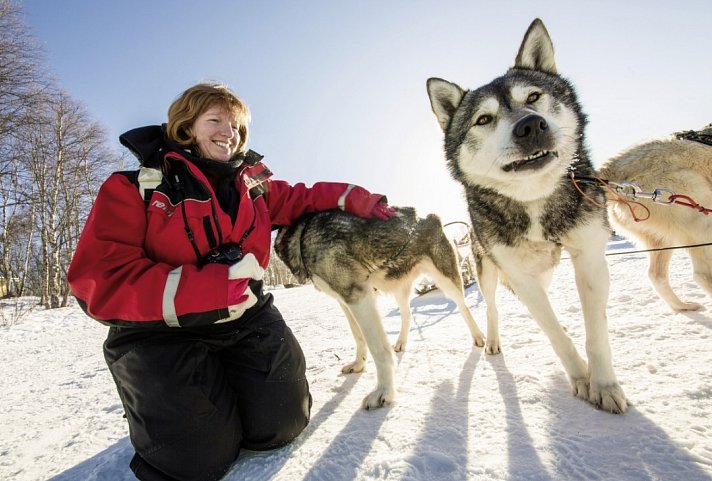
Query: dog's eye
(483,120)
(533,97)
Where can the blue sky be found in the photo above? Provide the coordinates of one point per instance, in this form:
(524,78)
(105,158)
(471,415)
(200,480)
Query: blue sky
(337,88)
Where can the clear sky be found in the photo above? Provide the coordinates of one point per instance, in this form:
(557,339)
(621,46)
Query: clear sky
(337,88)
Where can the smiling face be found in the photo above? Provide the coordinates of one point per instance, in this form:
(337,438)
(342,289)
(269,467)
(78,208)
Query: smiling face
(210,119)
(216,134)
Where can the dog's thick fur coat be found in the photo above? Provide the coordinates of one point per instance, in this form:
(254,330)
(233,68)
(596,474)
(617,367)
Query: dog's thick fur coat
(683,167)
(349,258)
(512,143)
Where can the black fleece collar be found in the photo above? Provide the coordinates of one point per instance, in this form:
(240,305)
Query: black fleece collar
(149,144)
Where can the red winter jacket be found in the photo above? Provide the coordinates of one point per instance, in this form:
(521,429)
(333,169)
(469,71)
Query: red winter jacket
(136,266)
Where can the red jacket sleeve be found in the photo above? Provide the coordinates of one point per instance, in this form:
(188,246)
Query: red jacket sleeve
(287,203)
(115,282)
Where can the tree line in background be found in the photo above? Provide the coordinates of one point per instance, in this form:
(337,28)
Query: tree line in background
(53,159)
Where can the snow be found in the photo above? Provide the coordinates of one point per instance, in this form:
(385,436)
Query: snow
(460,414)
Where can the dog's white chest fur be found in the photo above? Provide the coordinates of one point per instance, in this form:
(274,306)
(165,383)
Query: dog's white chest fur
(535,210)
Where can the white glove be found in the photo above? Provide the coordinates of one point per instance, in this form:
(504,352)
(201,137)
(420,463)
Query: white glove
(247,267)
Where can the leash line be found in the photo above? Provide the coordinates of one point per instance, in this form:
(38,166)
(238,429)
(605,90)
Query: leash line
(625,191)
(639,251)
(658,249)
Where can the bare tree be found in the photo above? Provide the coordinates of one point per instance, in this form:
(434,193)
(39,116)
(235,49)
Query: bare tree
(53,158)
(18,88)
(19,60)
(88,162)
(278,273)
(66,158)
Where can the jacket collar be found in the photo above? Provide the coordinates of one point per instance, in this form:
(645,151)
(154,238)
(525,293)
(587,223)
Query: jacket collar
(147,144)
(150,143)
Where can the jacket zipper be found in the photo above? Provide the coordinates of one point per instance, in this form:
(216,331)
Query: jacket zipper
(206,191)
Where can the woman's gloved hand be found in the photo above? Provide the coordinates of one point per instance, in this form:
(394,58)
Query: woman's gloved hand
(246,268)
(239,295)
(382,211)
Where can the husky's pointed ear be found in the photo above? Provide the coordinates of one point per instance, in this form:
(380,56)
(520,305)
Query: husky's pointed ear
(537,50)
(445,97)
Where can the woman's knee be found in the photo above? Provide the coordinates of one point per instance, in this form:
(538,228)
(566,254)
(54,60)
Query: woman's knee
(192,462)
(181,429)
(203,453)
(279,418)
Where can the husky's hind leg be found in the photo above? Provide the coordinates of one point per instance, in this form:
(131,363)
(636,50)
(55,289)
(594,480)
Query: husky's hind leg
(366,315)
(659,277)
(361,350)
(402,295)
(701,258)
(452,287)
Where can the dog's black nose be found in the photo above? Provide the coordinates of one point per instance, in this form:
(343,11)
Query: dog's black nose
(530,126)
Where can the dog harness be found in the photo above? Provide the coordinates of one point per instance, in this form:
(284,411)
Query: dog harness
(695,136)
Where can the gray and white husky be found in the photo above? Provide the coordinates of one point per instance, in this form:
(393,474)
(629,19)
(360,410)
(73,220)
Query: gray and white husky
(349,258)
(513,145)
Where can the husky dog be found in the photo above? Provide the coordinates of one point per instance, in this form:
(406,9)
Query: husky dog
(684,167)
(348,257)
(513,144)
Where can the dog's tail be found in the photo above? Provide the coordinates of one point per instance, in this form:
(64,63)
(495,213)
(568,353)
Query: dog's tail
(443,252)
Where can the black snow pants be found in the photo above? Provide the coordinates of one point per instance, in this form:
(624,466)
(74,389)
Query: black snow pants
(194,398)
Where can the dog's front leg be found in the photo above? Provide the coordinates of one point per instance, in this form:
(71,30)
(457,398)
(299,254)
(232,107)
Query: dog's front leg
(527,270)
(366,316)
(487,278)
(592,281)
(533,295)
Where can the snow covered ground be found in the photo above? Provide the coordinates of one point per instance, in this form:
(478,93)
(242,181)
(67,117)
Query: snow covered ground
(460,414)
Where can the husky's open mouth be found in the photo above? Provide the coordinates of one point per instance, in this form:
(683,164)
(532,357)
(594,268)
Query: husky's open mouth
(532,162)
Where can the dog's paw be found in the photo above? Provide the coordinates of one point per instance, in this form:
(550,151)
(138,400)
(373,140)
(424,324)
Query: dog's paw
(686,306)
(399,346)
(580,387)
(352,367)
(378,398)
(608,398)
(492,346)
